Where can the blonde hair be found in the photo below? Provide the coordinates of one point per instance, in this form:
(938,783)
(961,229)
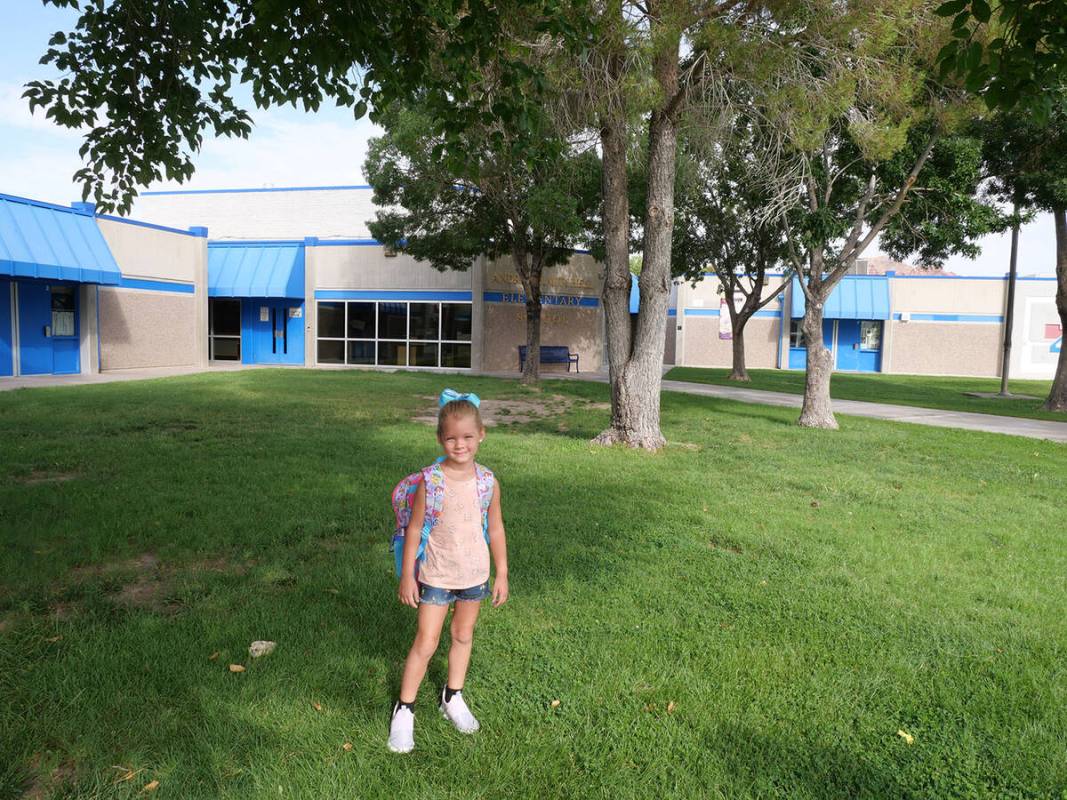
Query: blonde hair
(458,409)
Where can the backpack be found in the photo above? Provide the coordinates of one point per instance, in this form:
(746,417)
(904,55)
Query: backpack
(404,500)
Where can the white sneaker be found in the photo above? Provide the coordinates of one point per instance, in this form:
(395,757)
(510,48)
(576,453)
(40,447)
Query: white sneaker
(456,712)
(402,730)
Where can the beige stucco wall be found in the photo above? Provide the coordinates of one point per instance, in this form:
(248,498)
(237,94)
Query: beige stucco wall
(581,276)
(580,329)
(148,329)
(704,348)
(947,295)
(944,348)
(152,254)
(367,267)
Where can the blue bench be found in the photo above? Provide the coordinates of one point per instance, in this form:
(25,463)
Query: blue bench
(552,354)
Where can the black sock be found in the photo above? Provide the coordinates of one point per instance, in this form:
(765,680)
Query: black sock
(401,704)
(450,693)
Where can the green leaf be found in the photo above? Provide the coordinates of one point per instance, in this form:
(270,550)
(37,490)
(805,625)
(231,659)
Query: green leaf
(981,10)
(950,8)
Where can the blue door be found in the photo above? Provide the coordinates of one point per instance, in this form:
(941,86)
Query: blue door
(7,363)
(859,345)
(275,331)
(848,344)
(48,329)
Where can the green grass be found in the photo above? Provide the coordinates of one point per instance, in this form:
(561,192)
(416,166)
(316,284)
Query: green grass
(908,390)
(798,595)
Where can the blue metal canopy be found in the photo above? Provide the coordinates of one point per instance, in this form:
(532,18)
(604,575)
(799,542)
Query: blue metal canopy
(260,269)
(855,297)
(41,240)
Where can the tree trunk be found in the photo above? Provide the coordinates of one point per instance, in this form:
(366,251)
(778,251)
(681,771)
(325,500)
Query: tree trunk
(817,411)
(531,286)
(636,403)
(1057,398)
(616,220)
(738,371)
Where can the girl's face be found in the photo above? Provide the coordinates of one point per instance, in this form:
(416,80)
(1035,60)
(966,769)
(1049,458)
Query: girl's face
(460,437)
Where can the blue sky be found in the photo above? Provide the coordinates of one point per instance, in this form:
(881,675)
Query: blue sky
(287,147)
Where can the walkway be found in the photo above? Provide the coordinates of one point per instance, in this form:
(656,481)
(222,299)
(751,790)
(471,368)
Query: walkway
(36,381)
(990,423)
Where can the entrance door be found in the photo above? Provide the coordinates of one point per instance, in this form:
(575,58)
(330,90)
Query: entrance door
(848,344)
(277,331)
(48,329)
(859,345)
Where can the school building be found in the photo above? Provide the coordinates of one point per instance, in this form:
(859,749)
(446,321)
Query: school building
(291,276)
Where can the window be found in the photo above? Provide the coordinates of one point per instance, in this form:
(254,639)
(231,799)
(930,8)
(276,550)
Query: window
(62,310)
(796,336)
(870,335)
(396,334)
(224,329)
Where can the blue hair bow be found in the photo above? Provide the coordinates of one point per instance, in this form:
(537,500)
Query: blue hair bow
(448,395)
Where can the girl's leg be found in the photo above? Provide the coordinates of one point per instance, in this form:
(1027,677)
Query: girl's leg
(459,655)
(431,618)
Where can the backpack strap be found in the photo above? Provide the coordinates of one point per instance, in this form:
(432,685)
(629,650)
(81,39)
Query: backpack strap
(433,478)
(486,483)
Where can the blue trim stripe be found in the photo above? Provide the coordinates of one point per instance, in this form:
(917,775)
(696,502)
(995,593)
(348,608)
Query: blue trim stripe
(672,312)
(263,189)
(348,243)
(980,318)
(214,245)
(151,225)
(351,294)
(157,286)
(714,312)
(546,299)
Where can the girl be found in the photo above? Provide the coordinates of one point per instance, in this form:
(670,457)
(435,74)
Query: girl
(455,566)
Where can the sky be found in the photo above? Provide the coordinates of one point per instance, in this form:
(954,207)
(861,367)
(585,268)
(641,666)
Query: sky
(287,147)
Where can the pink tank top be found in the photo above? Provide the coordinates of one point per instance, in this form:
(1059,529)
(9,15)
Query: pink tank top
(457,556)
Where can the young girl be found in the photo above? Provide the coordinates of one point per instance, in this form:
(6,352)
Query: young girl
(455,566)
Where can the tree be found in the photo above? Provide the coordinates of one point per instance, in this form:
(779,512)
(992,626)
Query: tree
(148,78)
(1028,161)
(727,220)
(634,83)
(850,89)
(533,208)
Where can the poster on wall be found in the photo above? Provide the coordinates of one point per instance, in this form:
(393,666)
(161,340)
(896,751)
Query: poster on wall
(725,324)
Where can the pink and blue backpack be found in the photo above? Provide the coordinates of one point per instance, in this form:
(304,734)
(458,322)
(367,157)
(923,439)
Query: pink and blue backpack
(404,499)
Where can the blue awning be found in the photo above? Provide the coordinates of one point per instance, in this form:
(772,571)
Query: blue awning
(855,297)
(255,270)
(40,240)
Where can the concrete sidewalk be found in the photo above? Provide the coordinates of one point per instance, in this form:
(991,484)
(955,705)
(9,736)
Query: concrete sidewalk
(37,381)
(990,423)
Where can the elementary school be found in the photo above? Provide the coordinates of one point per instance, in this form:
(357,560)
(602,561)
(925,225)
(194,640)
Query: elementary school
(291,276)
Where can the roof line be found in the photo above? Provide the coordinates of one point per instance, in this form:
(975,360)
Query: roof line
(262,189)
(40,203)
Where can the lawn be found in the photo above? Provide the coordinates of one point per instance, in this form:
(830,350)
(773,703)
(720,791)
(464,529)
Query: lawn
(756,611)
(906,390)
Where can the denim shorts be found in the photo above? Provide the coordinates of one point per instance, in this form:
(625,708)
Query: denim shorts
(433,596)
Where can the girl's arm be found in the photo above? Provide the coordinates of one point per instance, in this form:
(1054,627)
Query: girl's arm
(498,547)
(408,592)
